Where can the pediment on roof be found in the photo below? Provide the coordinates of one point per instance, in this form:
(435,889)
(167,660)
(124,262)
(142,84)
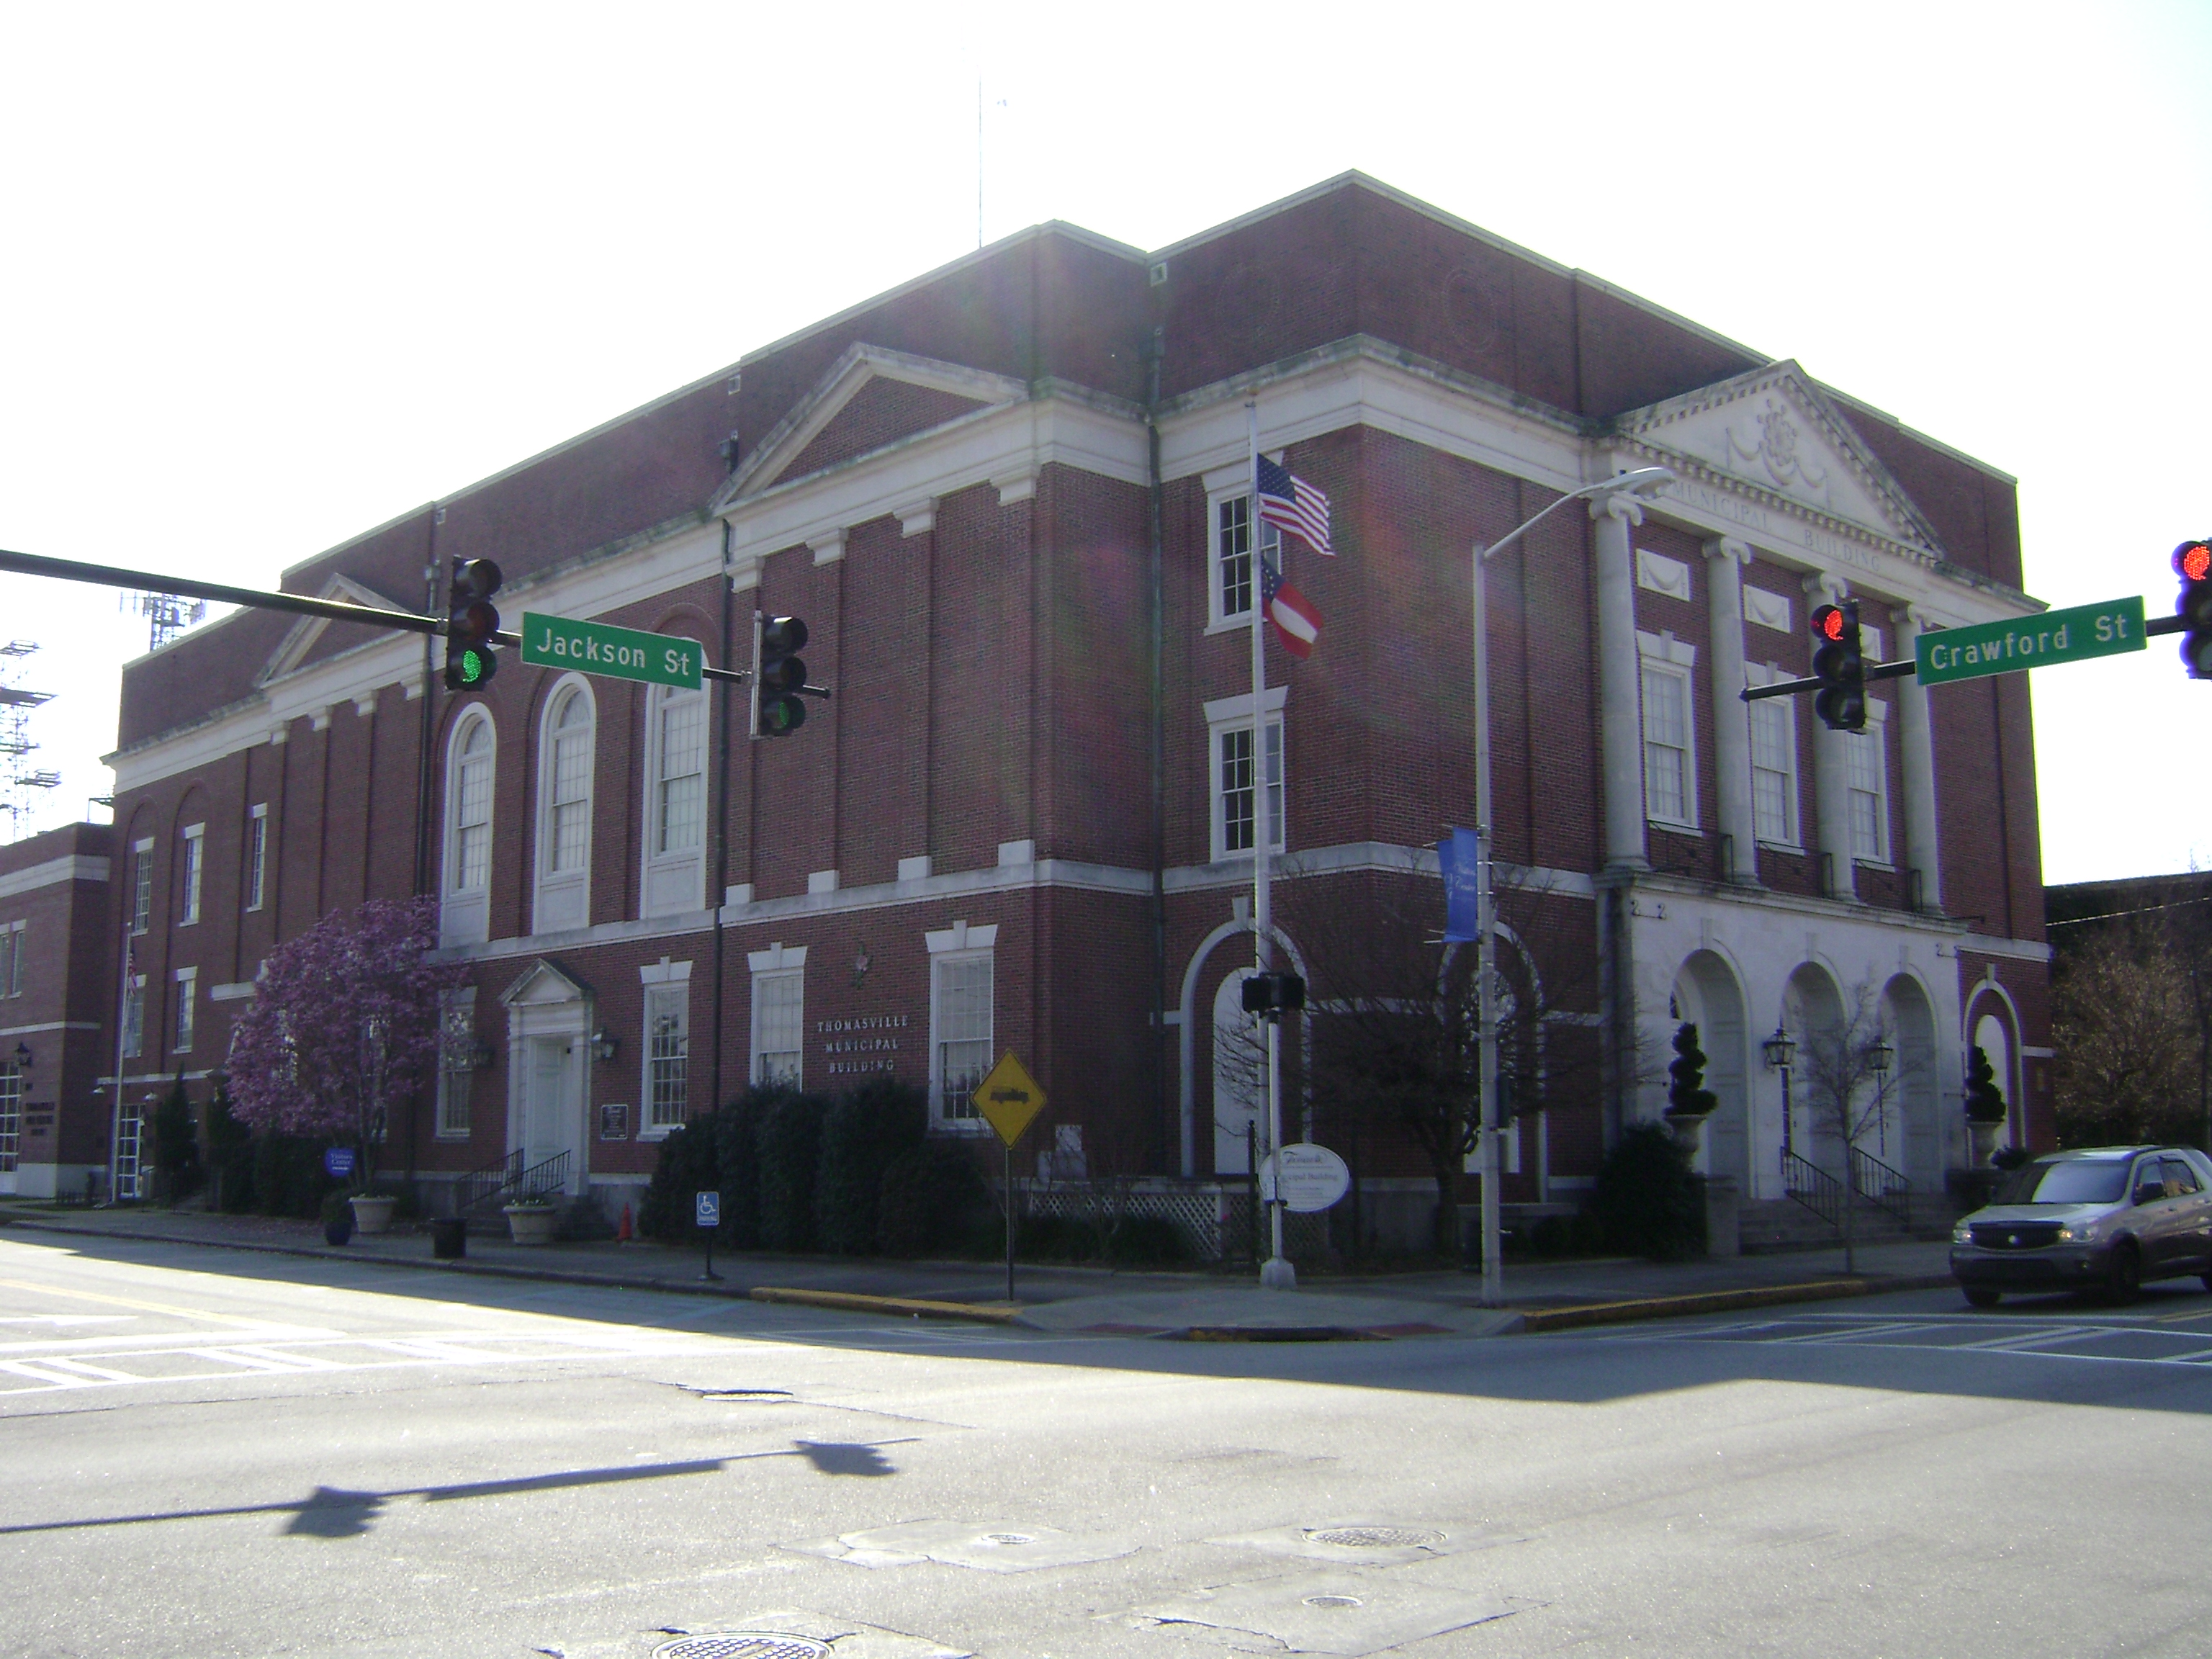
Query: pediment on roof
(544,982)
(301,643)
(1774,430)
(870,398)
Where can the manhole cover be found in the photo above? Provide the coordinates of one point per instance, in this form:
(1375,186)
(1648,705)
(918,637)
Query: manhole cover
(741,1644)
(1375,1538)
(1332,1600)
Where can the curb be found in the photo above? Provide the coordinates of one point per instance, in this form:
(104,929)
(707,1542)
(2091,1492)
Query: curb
(912,1307)
(1535,1321)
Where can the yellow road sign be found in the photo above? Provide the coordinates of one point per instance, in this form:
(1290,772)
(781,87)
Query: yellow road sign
(1008,1098)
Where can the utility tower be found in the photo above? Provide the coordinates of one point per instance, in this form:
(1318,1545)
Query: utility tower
(166,616)
(21,781)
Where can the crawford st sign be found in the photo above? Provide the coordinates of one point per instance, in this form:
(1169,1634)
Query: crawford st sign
(2005,647)
(625,654)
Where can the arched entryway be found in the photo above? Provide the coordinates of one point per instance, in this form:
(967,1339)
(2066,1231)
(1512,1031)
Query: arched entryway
(1812,1012)
(1707,994)
(1239,1078)
(1915,1107)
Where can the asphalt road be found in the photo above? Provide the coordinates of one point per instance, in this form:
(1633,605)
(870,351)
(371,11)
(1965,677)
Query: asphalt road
(206,1455)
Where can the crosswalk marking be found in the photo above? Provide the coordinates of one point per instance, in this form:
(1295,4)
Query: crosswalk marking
(2062,1339)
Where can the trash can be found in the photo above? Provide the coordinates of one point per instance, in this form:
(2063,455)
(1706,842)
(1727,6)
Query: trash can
(449,1237)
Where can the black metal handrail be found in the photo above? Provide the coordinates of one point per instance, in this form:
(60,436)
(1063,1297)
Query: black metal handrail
(481,1186)
(542,1180)
(1814,1188)
(1881,1185)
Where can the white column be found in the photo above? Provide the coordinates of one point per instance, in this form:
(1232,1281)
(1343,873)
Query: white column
(1620,700)
(1725,558)
(1917,747)
(1831,771)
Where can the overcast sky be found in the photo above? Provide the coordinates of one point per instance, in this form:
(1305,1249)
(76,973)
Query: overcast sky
(269,277)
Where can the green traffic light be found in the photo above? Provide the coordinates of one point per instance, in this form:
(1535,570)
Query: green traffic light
(471,667)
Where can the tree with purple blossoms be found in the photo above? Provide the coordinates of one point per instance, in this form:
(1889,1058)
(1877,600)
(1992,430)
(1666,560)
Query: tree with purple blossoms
(343,1027)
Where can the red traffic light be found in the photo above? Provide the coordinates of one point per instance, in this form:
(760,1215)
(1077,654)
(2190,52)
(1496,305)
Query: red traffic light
(2192,561)
(1828,623)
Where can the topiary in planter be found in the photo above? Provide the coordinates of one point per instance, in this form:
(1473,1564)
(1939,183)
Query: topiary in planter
(1687,1094)
(1985,1102)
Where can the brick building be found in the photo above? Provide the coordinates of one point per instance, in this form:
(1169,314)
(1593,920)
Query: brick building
(1009,500)
(58,997)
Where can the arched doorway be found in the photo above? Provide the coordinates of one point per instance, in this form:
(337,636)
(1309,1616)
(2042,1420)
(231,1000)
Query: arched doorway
(1237,1083)
(1812,1012)
(1916,1103)
(1707,995)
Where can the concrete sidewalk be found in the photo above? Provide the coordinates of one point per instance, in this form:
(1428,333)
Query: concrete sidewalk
(1198,1304)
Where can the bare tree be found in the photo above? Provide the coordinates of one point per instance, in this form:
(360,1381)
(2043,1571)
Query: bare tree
(2128,1024)
(1392,1013)
(1851,1076)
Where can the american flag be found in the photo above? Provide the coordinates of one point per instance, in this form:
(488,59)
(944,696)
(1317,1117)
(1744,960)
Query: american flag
(1297,623)
(1294,505)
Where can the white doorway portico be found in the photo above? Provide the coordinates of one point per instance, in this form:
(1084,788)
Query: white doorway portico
(549,1012)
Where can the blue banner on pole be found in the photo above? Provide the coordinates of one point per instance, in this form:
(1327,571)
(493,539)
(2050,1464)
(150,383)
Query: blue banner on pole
(1461,852)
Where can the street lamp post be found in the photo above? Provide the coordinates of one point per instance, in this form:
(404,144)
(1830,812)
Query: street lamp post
(1780,1049)
(1644,481)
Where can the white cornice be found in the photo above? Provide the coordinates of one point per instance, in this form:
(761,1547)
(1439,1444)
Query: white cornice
(70,866)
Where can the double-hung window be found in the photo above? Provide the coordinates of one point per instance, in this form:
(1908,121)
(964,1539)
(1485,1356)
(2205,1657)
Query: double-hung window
(564,827)
(675,801)
(187,984)
(11,960)
(188,873)
(1774,771)
(1237,775)
(667,1056)
(257,855)
(961,992)
(1234,579)
(779,1025)
(1670,755)
(465,915)
(457,1050)
(141,885)
(1867,771)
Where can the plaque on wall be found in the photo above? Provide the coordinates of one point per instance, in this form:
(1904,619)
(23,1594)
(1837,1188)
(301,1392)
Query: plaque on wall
(614,1120)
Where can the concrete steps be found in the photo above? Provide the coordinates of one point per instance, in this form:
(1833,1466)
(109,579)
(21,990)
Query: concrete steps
(1773,1225)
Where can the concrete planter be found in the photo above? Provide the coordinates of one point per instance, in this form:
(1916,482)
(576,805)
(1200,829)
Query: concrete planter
(1689,1131)
(531,1224)
(1984,1138)
(372,1212)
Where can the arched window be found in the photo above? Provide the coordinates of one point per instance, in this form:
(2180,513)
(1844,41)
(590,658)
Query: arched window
(565,814)
(465,913)
(675,801)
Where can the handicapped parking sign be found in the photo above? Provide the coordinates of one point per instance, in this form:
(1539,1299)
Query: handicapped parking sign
(706,1209)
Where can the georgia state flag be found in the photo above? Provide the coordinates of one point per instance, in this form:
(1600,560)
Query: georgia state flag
(1297,623)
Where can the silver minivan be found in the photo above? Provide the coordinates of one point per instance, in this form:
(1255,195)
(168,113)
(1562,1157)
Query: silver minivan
(2104,1218)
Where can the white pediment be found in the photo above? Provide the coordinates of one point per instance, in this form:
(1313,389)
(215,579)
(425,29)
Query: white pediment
(859,367)
(300,638)
(1774,430)
(543,982)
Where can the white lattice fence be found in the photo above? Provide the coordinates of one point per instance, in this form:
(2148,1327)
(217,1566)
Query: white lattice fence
(1215,1218)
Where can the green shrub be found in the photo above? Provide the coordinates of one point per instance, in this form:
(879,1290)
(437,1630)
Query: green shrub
(736,1137)
(687,1165)
(1646,1198)
(1148,1241)
(788,1142)
(861,1133)
(931,1199)
(287,1174)
(177,1170)
(230,1155)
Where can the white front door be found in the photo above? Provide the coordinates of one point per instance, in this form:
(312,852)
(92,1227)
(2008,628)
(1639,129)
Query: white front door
(548,1102)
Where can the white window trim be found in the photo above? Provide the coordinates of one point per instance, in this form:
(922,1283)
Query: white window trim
(193,874)
(257,841)
(1671,656)
(456,903)
(455,1081)
(669,987)
(1767,674)
(141,859)
(546,881)
(1223,485)
(186,1029)
(693,895)
(958,942)
(1229,714)
(778,961)
(1877,728)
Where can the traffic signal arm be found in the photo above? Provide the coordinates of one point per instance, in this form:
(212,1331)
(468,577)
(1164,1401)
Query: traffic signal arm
(146,581)
(1887,670)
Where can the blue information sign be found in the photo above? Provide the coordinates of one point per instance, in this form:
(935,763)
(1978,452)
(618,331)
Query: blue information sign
(708,1209)
(338,1161)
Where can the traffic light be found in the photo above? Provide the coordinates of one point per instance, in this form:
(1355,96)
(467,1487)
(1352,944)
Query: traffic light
(1270,995)
(778,672)
(2192,562)
(471,621)
(1840,666)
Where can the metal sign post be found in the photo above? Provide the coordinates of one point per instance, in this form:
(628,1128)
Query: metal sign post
(707,1212)
(1009,1100)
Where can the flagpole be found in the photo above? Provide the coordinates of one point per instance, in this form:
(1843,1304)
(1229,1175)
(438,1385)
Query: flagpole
(1276,1273)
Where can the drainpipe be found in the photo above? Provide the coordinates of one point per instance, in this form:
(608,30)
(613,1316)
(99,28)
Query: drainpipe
(1158,596)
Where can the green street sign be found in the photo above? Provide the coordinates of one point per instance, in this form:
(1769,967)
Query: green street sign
(625,654)
(2006,647)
